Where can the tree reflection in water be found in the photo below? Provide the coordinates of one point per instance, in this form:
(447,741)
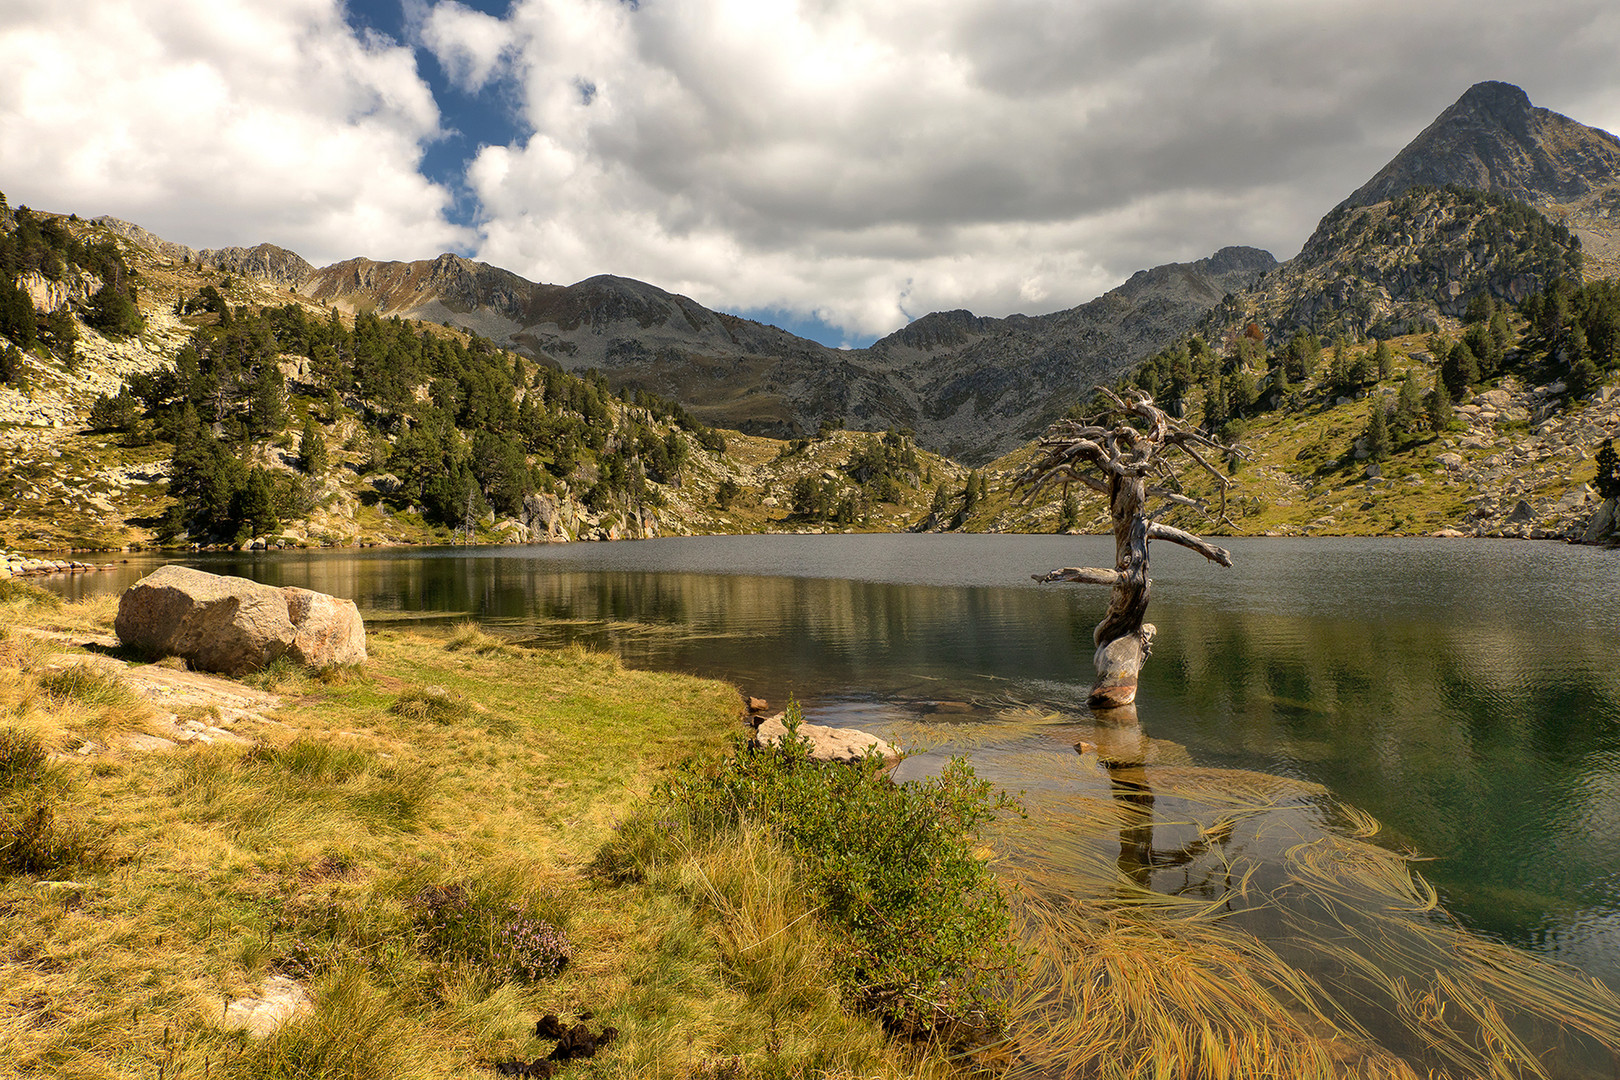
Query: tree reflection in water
(1122,750)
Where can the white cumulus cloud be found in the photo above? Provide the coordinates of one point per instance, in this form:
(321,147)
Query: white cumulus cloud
(216,122)
(471,45)
(871,162)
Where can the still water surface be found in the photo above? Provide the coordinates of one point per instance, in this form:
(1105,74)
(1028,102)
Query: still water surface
(1464,693)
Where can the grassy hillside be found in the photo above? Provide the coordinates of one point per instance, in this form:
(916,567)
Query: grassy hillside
(1519,436)
(186,423)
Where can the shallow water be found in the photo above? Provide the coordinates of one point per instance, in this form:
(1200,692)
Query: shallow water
(1464,693)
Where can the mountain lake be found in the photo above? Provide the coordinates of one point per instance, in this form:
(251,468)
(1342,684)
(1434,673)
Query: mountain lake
(1323,732)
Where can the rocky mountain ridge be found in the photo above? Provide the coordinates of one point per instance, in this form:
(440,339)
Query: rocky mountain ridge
(1519,444)
(969,386)
(1403,265)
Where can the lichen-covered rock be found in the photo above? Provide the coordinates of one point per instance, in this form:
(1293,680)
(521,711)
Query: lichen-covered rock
(232,625)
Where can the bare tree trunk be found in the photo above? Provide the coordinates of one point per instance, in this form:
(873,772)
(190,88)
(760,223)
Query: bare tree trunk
(1117,460)
(1122,638)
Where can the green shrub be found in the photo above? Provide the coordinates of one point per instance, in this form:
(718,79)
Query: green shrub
(924,925)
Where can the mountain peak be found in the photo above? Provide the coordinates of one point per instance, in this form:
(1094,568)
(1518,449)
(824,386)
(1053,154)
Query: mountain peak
(1495,97)
(1493,139)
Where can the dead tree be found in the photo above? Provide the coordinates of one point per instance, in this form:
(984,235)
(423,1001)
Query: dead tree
(1122,454)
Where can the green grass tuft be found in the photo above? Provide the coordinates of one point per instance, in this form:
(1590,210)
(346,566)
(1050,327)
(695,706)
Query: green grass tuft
(13,591)
(433,703)
(88,686)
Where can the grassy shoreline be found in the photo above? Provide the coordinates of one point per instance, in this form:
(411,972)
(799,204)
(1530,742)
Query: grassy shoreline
(450,762)
(420,843)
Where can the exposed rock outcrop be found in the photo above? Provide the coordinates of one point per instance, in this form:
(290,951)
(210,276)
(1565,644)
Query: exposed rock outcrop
(232,625)
(1493,139)
(48,296)
(262,262)
(1604,527)
(1400,266)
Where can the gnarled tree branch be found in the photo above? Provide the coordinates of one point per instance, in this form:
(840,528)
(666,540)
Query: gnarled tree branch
(1115,455)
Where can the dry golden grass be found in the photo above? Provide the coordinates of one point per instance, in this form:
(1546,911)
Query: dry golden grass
(221,866)
(1369,977)
(302,856)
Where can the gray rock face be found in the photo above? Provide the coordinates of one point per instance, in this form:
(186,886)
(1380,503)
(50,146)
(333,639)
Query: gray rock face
(1602,527)
(232,625)
(1495,140)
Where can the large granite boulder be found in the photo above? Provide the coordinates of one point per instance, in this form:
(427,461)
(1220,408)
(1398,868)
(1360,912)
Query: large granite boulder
(232,625)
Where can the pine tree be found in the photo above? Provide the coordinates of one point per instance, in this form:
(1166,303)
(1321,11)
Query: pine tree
(1460,370)
(1339,374)
(12,369)
(1608,471)
(1069,513)
(1281,388)
(1384,360)
(255,506)
(113,312)
(1409,417)
(1379,444)
(312,457)
(1438,404)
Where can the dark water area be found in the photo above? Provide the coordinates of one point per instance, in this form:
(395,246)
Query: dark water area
(1466,694)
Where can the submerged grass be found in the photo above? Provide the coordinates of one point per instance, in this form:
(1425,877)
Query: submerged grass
(1367,977)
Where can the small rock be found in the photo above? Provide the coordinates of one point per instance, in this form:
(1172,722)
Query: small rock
(278,1001)
(1522,514)
(827,743)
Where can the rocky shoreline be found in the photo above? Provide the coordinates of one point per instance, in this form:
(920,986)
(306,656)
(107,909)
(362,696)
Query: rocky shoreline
(16,564)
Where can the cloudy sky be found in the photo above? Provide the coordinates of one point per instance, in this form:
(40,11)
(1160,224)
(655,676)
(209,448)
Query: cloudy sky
(834,167)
